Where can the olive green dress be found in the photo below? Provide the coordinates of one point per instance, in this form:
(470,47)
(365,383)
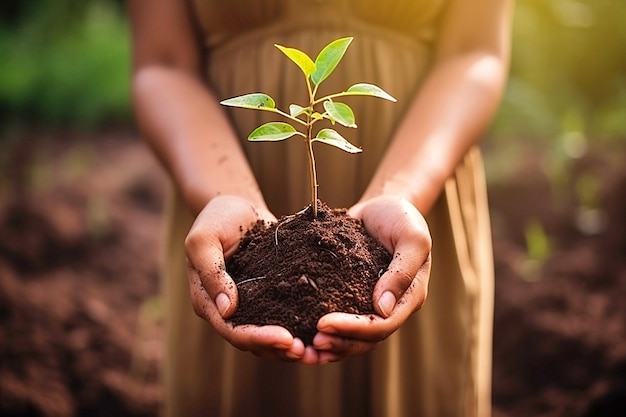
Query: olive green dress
(439,362)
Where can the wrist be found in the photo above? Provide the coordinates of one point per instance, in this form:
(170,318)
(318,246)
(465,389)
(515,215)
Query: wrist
(420,190)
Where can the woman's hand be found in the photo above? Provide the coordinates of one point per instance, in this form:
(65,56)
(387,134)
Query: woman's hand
(400,291)
(214,236)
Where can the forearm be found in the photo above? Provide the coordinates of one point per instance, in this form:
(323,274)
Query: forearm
(451,112)
(187,129)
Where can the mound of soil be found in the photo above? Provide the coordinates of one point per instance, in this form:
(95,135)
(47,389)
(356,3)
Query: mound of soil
(300,268)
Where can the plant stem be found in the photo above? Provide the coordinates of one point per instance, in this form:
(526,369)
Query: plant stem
(309,149)
(312,171)
(290,117)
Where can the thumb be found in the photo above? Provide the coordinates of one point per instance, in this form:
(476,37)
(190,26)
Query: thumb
(404,286)
(206,268)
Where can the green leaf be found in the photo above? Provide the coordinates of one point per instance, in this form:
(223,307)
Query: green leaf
(332,137)
(328,59)
(301,59)
(257,101)
(273,132)
(364,89)
(296,110)
(340,112)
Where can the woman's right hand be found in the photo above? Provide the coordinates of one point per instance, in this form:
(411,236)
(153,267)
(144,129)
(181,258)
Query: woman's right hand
(215,236)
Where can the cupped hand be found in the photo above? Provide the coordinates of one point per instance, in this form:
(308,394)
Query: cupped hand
(399,292)
(214,236)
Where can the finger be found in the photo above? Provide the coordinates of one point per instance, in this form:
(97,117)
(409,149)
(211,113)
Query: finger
(409,269)
(368,328)
(200,299)
(213,278)
(294,353)
(253,338)
(310,357)
(341,346)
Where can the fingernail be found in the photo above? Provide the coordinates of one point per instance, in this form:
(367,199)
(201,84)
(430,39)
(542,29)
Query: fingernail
(386,303)
(223,303)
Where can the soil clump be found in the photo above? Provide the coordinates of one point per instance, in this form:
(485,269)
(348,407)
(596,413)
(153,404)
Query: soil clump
(293,272)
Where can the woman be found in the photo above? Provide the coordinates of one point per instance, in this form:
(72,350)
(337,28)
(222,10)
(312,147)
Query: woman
(446,63)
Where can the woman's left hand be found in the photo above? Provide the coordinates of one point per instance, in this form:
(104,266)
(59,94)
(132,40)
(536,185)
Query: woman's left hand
(400,291)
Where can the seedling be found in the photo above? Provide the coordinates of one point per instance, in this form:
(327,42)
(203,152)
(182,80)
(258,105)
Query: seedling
(306,116)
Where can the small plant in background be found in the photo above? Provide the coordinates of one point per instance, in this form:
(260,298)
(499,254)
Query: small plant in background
(590,218)
(315,72)
(538,250)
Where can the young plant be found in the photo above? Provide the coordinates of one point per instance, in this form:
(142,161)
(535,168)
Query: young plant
(306,116)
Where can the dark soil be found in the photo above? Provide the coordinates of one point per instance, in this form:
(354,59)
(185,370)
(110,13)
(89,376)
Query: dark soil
(300,268)
(80,323)
(81,313)
(560,322)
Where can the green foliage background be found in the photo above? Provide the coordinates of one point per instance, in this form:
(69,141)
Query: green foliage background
(568,70)
(66,63)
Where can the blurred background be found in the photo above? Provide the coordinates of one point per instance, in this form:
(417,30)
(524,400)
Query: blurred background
(81,199)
